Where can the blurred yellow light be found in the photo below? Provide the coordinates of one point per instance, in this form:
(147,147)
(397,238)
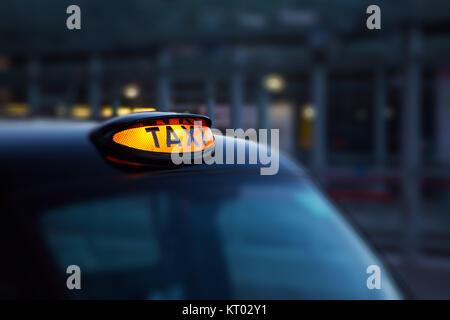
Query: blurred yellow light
(17,109)
(274,83)
(308,112)
(107,111)
(81,111)
(389,113)
(361,114)
(5,63)
(123,111)
(141,109)
(131,91)
(60,110)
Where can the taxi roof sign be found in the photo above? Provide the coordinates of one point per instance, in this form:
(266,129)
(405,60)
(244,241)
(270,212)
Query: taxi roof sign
(150,138)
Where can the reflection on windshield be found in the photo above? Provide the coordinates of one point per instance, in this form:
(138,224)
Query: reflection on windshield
(295,246)
(254,241)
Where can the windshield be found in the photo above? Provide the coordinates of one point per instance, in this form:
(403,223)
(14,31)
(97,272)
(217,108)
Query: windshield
(230,240)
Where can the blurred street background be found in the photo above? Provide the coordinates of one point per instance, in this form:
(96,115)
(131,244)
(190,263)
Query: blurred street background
(367,112)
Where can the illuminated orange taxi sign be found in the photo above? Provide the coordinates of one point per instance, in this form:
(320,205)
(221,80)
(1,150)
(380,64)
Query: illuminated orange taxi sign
(167,136)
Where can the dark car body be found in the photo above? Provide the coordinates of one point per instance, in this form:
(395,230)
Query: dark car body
(201,231)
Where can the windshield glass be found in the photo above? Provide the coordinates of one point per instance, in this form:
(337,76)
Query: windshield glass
(230,240)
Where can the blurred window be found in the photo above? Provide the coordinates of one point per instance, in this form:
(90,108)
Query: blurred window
(113,242)
(289,241)
(246,239)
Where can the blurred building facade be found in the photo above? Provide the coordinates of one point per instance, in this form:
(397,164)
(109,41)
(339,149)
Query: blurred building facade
(367,111)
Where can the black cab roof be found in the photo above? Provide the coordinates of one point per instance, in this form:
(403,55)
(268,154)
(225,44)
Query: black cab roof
(35,151)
